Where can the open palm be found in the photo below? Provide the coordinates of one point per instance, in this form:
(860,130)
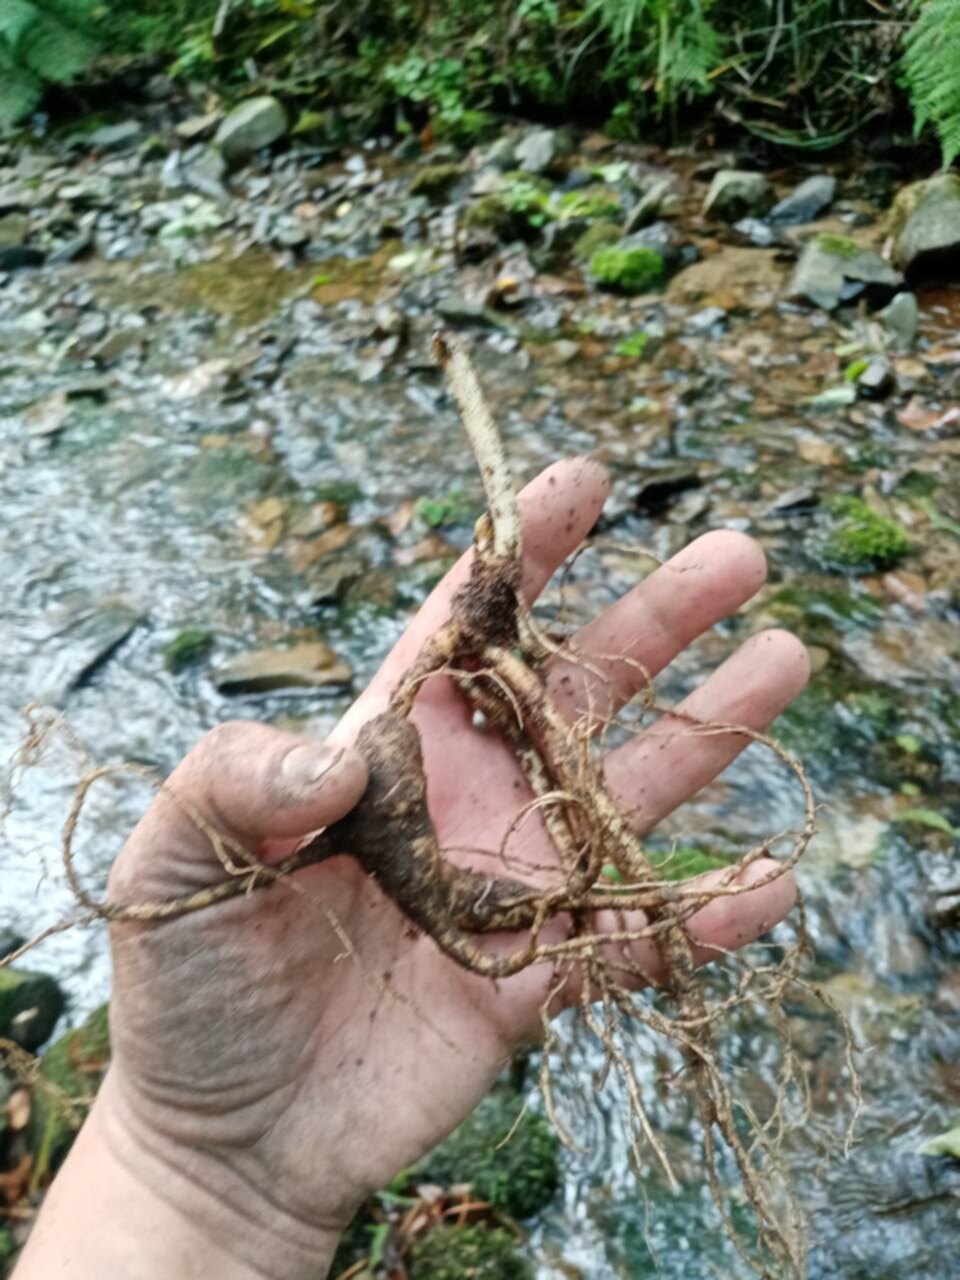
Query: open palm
(295,1048)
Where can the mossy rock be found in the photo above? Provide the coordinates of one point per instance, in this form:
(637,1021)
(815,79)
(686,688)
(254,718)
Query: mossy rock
(30,1004)
(454,508)
(75,1065)
(187,649)
(627,270)
(591,203)
(520,1177)
(468,1253)
(839,246)
(436,180)
(599,236)
(7,1251)
(863,540)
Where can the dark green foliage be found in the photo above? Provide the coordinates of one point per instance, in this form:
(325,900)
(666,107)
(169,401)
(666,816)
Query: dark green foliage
(41,42)
(931,71)
(187,649)
(519,1177)
(75,1064)
(468,1253)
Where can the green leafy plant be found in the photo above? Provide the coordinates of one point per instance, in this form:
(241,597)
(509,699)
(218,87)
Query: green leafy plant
(930,62)
(41,42)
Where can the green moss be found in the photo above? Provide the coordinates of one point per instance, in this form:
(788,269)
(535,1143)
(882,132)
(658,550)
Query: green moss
(813,607)
(468,1253)
(686,861)
(600,236)
(453,508)
(634,346)
(838,246)
(30,1004)
(627,270)
(590,203)
(863,540)
(519,1177)
(75,1064)
(342,492)
(436,179)
(187,649)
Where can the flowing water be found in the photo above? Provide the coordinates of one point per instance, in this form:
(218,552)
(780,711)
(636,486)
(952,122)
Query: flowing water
(180,420)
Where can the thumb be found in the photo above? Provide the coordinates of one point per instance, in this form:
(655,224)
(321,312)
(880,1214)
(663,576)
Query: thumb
(249,788)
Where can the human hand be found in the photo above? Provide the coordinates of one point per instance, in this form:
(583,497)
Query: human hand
(281,1054)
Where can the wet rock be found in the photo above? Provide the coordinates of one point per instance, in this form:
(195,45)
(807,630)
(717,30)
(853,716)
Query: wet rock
(248,128)
(116,137)
(877,380)
(736,193)
(30,1005)
(14,230)
(537,151)
(312,665)
(18,257)
(204,171)
(901,319)
(78,649)
(660,200)
(926,219)
(13,196)
(458,310)
(757,232)
(834,269)
(806,202)
(598,236)
(196,127)
(659,491)
(70,249)
(436,180)
(75,1065)
(662,239)
(329,581)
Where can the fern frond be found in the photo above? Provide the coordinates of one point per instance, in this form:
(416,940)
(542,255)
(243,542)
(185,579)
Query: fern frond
(41,41)
(931,71)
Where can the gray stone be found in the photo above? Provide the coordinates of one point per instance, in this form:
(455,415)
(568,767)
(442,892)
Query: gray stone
(14,229)
(657,201)
(901,319)
(14,196)
(661,237)
(877,380)
(205,171)
(305,666)
(115,137)
(736,193)
(537,151)
(30,1004)
(459,310)
(928,245)
(833,269)
(805,202)
(248,128)
(759,233)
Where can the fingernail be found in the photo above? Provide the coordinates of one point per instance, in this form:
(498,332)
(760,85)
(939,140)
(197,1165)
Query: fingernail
(305,767)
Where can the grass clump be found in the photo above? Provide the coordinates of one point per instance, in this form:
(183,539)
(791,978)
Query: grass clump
(520,1177)
(469,1253)
(863,540)
(627,270)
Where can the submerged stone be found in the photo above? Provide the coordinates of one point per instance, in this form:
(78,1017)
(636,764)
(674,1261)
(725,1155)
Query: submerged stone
(928,242)
(312,665)
(187,649)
